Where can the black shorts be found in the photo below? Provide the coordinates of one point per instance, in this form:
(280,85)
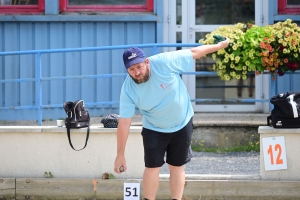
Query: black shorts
(176,146)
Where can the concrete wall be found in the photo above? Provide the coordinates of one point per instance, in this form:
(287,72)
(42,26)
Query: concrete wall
(29,151)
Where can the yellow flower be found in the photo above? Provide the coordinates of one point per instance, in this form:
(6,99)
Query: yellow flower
(255,48)
(214,56)
(222,51)
(233,74)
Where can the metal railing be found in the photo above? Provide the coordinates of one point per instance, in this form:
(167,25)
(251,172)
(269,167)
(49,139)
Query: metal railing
(38,76)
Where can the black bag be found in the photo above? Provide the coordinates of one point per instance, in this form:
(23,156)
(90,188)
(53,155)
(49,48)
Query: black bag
(286,111)
(77,117)
(110,121)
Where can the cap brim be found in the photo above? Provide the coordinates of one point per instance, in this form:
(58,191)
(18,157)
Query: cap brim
(134,61)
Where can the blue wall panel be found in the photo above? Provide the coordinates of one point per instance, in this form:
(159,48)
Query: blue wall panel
(288,82)
(2,70)
(103,63)
(72,63)
(295,84)
(12,64)
(27,66)
(56,35)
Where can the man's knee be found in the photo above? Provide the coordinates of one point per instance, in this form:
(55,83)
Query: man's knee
(176,170)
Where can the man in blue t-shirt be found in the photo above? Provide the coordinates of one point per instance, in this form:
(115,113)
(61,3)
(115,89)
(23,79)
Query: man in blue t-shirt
(155,87)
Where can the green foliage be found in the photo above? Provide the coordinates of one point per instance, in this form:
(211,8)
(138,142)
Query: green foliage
(274,49)
(48,175)
(111,176)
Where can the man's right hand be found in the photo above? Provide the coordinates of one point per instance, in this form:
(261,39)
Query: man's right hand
(122,135)
(120,162)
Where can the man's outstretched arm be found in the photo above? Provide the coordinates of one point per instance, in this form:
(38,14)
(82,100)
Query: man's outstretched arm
(122,135)
(201,51)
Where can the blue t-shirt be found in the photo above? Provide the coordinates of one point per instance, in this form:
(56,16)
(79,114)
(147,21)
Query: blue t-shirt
(163,99)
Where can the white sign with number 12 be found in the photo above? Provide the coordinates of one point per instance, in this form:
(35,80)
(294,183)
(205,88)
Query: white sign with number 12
(131,191)
(274,153)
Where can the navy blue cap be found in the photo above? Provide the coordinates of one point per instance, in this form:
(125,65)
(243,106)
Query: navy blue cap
(133,56)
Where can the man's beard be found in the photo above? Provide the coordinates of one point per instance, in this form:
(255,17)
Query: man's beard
(142,79)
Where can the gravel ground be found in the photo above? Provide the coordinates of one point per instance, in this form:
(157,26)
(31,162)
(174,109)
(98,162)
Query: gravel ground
(237,163)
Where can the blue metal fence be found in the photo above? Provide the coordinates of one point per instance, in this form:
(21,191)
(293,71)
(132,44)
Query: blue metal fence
(38,76)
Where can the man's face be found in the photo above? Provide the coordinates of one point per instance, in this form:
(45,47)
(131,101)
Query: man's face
(140,73)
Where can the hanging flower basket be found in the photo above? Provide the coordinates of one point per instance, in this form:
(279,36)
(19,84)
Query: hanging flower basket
(274,49)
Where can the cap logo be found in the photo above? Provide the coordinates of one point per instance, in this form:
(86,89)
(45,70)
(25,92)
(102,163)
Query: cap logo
(133,55)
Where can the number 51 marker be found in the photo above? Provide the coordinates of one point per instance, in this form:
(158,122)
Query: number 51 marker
(131,191)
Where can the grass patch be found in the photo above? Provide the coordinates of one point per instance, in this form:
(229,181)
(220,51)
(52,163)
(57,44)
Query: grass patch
(241,148)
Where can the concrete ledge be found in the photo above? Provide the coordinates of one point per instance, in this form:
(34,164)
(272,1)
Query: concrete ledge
(7,188)
(30,151)
(214,177)
(229,123)
(67,189)
(93,129)
(271,130)
(292,148)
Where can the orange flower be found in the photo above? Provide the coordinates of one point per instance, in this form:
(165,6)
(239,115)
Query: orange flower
(271,49)
(287,34)
(262,45)
(271,63)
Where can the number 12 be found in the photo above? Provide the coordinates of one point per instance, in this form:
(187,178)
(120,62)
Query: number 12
(278,159)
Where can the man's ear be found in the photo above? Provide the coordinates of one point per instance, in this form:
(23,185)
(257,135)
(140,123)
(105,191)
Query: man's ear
(146,60)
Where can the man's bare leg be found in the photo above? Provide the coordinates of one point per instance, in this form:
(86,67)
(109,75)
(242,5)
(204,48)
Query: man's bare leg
(151,182)
(177,181)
